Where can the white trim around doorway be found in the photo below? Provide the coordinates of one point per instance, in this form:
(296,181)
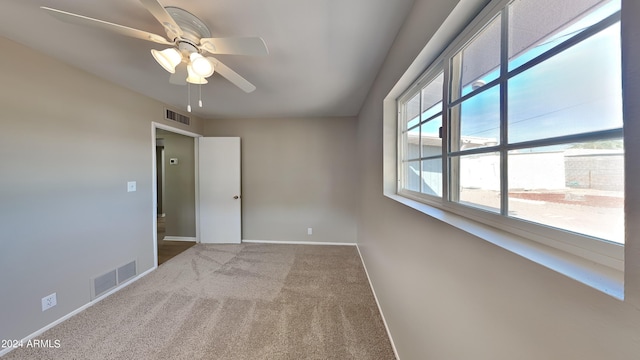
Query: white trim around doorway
(154,127)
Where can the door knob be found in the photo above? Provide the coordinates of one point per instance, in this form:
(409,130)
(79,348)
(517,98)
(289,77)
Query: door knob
(236,197)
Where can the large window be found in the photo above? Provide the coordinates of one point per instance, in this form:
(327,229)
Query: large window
(421,138)
(519,123)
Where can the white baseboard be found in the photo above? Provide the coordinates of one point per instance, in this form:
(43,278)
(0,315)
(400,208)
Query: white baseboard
(296,242)
(393,345)
(78,310)
(179,238)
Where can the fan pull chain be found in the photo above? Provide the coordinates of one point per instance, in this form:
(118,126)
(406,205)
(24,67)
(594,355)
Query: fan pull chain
(200,90)
(189,97)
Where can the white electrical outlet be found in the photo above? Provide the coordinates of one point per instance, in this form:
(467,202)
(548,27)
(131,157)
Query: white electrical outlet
(309,231)
(131,186)
(49,301)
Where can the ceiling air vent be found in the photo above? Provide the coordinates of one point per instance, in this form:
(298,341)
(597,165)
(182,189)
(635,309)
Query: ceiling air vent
(174,116)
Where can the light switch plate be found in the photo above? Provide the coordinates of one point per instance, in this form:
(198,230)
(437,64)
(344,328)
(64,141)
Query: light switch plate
(131,186)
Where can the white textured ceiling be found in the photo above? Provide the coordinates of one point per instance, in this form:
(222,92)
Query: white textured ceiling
(324,54)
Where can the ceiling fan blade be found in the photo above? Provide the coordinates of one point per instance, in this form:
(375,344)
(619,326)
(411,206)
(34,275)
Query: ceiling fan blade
(232,76)
(120,29)
(180,76)
(235,46)
(160,13)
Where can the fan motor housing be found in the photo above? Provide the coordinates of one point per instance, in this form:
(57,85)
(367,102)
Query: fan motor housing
(186,47)
(193,28)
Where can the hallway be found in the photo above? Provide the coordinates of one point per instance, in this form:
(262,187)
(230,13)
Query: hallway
(169,249)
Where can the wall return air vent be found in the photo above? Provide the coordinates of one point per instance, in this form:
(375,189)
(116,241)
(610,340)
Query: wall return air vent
(111,279)
(174,116)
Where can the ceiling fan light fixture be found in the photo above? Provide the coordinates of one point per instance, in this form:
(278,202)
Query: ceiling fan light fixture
(167,58)
(193,77)
(187,34)
(200,65)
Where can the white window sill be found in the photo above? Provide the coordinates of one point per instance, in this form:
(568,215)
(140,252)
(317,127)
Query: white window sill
(599,277)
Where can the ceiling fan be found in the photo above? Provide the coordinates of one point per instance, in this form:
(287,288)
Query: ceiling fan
(189,39)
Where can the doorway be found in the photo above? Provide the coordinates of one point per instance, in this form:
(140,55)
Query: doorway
(174,191)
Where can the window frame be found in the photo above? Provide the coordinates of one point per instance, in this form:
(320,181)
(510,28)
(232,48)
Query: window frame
(416,89)
(590,248)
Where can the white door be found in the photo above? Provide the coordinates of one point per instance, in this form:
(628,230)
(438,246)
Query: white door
(219,190)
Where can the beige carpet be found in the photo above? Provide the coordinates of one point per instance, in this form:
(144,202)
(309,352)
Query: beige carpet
(249,301)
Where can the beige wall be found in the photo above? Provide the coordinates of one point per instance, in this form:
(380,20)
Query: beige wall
(69,143)
(296,174)
(180,189)
(448,295)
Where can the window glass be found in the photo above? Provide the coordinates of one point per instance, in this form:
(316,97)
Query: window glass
(536,26)
(431,141)
(413,144)
(479,121)
(479,181)
(479,62)
(433,111)
(432,177)
(578,187)
(412,111)
(412,175)
(432,97)
(576,91)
